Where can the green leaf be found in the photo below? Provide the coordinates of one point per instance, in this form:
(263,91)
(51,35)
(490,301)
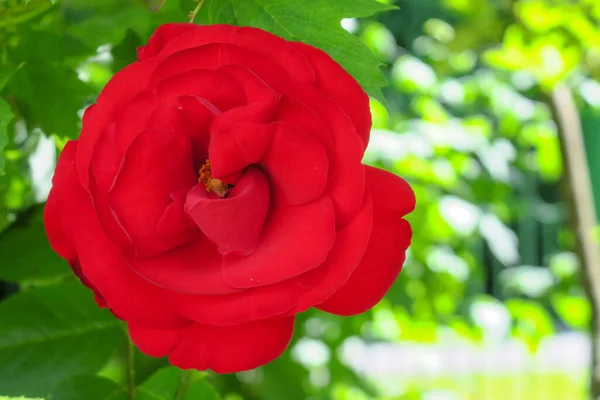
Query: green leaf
(45,46)
(51,334)
(49,97)
(6,116)
(288,19)
(165,383)
(201,390)
(88,387)
(26,253)
(124,53)
(111,27)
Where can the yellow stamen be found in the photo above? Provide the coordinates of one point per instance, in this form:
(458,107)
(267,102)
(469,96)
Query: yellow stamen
(214,185)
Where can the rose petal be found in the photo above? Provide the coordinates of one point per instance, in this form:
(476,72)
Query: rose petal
(134,120)
(386,251)
(215,56)
(288,297)
(118,92)
(161,37)
(157,164)
(198,116)
(60,239)
(297,165)
(109,221)
(174,221)
(255,89)
(270,48)
(238,308)
(232,348)
(294,112)
(344,89)
(142,113)
(154,342)
(214,87)
(101,262)
(346,174)
(295,240)
(234,223)
(222,349)
(346,254)
(194,268)
(234,148)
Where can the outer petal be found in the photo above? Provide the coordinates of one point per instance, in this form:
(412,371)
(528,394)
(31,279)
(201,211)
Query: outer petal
(154,342)
(161,37)
(338,84)
(100,261)
(239,308)
(127,294)
(116,95)
(349,249)
(385,254)
(266,45)
(222,349)
(59,237)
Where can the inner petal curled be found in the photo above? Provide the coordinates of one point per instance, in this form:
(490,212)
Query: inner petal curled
(233,223)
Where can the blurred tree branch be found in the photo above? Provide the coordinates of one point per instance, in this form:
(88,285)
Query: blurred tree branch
(579,197)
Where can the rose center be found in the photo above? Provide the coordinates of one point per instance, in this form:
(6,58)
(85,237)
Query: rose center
(214,185)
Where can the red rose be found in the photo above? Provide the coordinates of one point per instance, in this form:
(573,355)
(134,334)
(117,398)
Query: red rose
(208,262)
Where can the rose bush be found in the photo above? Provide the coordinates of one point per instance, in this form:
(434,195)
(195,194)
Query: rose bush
(217,190)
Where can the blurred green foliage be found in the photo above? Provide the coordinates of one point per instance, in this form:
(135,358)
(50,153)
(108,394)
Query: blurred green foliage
(467,123)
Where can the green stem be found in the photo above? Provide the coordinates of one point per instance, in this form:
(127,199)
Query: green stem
(185,380)
(130,368)
(158,7)
(195,12)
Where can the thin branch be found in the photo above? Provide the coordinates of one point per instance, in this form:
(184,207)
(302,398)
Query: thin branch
(185,380)
(580,198)
(196,11)
(158,7)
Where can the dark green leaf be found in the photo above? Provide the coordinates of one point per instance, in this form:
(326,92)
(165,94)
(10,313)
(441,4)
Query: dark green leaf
(49,97)
(26,253)
(165,384)
(107,28)
(44,46)
(315,22)
(124,53)
(50,334)
(88,387)
(145,365)
(6,74)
